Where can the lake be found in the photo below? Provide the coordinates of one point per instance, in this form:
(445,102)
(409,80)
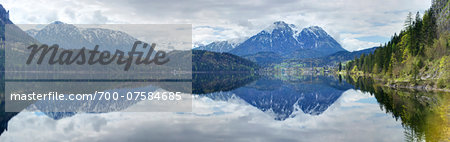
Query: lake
(249,107)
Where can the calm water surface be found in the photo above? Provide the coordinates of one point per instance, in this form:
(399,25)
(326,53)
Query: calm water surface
(256,108)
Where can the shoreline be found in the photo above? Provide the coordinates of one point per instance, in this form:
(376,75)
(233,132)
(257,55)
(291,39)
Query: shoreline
(401,85)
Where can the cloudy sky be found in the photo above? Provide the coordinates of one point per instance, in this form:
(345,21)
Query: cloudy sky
(356,24)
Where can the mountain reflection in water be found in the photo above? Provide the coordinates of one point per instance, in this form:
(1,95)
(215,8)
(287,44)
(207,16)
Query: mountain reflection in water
(248,107)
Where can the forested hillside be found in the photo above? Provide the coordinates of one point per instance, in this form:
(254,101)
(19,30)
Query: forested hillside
(418,55)
(205,61)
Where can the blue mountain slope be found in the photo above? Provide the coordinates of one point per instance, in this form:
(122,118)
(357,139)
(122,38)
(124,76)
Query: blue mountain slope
(283,41)
(317,39)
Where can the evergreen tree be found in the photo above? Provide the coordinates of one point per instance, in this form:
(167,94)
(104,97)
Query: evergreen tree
(408,21)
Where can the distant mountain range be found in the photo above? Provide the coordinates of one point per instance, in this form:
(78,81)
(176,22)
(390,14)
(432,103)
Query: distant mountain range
(222,46)
(69,36)
(276,43)
(283,41)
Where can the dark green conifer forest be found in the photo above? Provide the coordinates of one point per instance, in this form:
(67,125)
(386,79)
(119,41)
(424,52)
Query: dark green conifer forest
(419,54)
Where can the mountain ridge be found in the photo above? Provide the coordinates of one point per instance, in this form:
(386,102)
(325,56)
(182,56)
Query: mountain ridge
(284,40)
(72,37)
(221,46)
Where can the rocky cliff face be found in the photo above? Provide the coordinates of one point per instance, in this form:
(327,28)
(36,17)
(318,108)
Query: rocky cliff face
(441,9)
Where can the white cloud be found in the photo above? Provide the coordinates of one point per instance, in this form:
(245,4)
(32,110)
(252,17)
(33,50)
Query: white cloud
(238,18)
(353,44)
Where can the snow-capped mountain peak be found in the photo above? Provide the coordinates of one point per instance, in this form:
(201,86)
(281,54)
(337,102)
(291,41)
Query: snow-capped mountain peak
(285,40)
(315,37)
(316,31)
(281,25)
